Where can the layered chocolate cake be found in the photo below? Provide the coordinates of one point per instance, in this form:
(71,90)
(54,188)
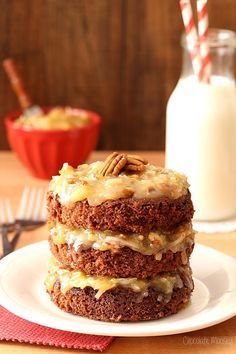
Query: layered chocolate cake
(121,236)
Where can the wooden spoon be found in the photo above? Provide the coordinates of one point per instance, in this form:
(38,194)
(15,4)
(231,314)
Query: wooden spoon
(17,83)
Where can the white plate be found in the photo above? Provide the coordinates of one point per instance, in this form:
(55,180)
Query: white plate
(214,298)
(215,226)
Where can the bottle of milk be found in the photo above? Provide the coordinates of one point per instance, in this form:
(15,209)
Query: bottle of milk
(201,130)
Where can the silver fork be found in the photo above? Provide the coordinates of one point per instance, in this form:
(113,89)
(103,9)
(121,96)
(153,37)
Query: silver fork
(7,223)
(32,209)
(31,214)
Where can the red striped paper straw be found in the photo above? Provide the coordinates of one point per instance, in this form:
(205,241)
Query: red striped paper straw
(205,72)
(191,35)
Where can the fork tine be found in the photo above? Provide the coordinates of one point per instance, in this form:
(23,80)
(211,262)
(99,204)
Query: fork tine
(38,202)
(23,203)
(43,211)
(2,214)
(31,204)
(8,211)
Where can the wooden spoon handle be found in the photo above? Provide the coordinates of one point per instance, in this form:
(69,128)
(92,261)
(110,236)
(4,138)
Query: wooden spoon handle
(17,83)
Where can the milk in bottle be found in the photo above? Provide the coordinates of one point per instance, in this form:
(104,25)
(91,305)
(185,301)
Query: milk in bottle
(201,131)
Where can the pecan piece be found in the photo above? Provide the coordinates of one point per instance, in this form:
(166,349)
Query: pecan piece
(134,167)
(136,159)
(107,162)
(114,164)
(135,163)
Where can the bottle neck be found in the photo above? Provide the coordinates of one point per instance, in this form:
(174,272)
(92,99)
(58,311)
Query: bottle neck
(221,52)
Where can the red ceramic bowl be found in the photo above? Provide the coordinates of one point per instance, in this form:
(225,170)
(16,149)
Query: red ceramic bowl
(43,152)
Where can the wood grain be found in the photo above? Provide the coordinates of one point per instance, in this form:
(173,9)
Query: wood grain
(226,242)
(119,57)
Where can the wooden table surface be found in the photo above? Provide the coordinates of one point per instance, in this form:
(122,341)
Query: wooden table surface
(13,177)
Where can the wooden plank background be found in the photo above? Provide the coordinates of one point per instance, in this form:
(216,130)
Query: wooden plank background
(120,58)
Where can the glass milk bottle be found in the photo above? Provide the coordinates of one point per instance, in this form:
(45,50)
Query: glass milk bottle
(201,130)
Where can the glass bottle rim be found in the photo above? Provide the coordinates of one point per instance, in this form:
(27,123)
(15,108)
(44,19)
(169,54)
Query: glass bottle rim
(217,38)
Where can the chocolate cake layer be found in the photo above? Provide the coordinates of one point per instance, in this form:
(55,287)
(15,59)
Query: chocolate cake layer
(125,215)
(123,263)
(120,304)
